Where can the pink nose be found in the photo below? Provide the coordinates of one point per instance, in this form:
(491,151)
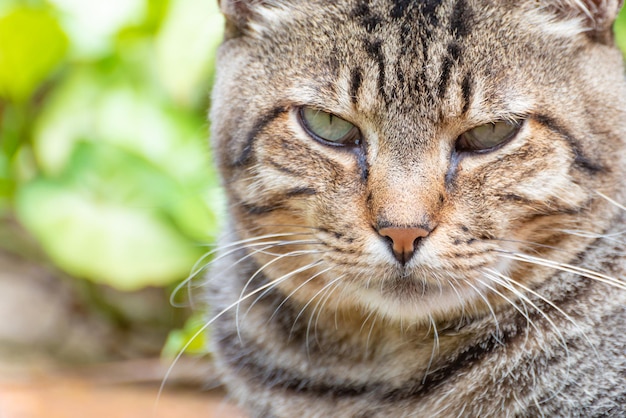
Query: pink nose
(404,241)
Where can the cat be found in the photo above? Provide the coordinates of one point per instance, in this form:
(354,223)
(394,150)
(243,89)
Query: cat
(425,208)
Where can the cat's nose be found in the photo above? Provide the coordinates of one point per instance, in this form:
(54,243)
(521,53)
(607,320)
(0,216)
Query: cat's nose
(404,241)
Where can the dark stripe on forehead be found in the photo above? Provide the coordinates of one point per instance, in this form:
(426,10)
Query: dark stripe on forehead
(581,160)
(454,51)
(446,69)
(467,91)
(452,58)
(374,49)
(362,8)
(461,19)
(356,79)
(429,11)
(245,155)
(369,20)
(400,8)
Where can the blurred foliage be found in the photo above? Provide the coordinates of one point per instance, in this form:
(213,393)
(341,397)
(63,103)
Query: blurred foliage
(191,339)
(620,30)
(103,134)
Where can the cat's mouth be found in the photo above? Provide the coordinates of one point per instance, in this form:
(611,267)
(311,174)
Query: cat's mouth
(407,286)
(413,300)
(416,295)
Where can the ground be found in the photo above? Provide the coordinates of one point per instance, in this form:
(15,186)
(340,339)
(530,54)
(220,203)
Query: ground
(72,349)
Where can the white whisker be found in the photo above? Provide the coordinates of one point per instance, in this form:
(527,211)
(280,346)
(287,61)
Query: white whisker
(590,274)
(259,270)
(290,274)
(319,307)
(435,348)
(249,243)
(622,207)
(204,328)
(311,300)
(524,299)
(506,282)
(298,288)
(546,300)
(493,314)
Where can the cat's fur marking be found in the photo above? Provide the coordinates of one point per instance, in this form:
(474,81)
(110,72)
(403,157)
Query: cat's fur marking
(514,301)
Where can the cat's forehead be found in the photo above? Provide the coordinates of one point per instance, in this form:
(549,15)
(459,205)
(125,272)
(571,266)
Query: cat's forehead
(433,57)
(426,17)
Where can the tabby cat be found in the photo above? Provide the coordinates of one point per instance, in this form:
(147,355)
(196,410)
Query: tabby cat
(425,208)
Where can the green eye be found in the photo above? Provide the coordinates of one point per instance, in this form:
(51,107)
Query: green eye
(486,137)
(328,128)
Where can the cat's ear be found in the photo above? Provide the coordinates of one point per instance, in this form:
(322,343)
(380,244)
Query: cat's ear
(597,16)
(240,14)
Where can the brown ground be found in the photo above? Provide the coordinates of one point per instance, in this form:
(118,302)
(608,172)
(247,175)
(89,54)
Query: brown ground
(66,398)
(73,349)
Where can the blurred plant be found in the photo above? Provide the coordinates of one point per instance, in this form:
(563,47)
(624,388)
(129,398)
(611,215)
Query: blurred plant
(620,30)
(103,134)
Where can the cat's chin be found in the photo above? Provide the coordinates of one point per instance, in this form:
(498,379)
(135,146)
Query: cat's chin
(414,301)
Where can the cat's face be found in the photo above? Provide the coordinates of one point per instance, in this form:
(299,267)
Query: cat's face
(398,154)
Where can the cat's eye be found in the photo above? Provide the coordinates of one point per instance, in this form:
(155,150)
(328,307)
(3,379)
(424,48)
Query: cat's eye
(328,128)
(486,137)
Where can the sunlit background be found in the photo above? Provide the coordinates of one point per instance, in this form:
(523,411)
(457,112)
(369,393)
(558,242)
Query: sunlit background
(104,162)
(105,172)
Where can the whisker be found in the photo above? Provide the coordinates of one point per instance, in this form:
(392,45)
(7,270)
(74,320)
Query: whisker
(451,282)
(311,300)
(587,234)
(493,314)
(434,350)
(506,284)
(319,307)
(296,289)
(590,274)
(524,312)
(249,244)
(204,328)
(611,200)
(372,312)
(259,270)
(527,244)
(369,334)
(546,300)
(290,274)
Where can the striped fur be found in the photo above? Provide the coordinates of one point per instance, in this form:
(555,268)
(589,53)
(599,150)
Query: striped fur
(514,304)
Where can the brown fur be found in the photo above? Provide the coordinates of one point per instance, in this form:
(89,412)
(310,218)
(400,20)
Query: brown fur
(478,323)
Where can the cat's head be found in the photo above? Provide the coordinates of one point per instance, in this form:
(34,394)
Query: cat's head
(404,155)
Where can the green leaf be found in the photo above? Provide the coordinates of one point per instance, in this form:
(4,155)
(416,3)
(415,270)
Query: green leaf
(32,44)
(620,30)
(106,218)
(198,25)
(191,339)
(6,183)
